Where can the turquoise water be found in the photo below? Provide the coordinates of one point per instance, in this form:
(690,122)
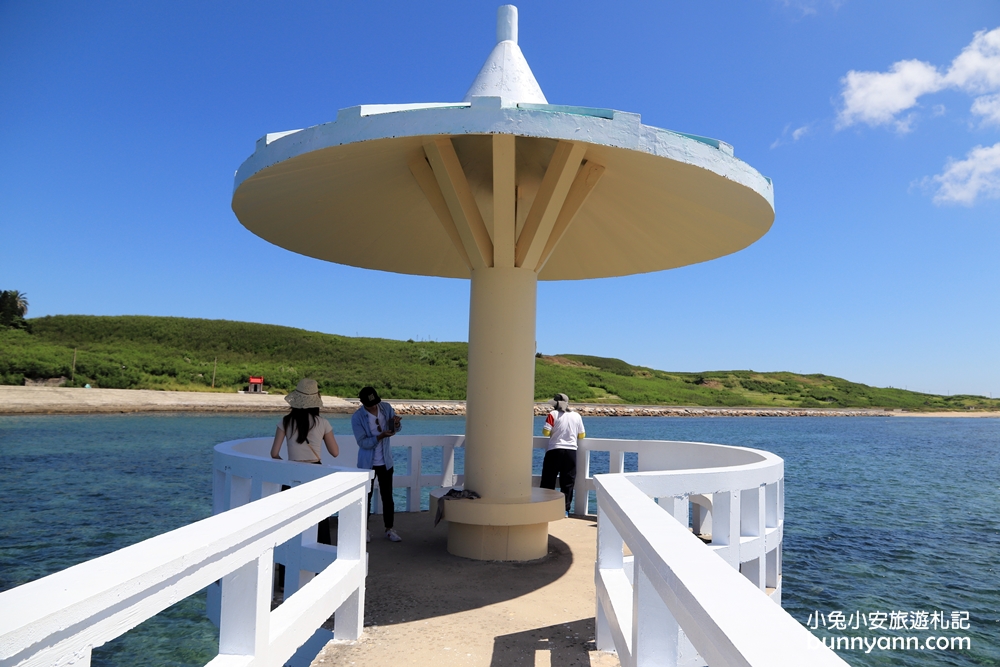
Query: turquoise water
(882,514)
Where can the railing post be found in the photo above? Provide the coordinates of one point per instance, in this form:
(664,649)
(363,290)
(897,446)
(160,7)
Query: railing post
(584,482)
(616,461)
(219,491)
(239,491)
(448,465)
(675,506)
(610,556)
(701,517)
(726,526)
(752,513)
(295,576)
(772,574)
(655,632)
(348,621)
(415,468)
(244,624)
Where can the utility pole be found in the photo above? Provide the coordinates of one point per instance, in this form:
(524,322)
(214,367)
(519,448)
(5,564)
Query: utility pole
(216,366)
(72,373)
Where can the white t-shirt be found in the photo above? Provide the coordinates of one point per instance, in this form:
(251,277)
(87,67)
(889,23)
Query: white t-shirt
(563,429)
(310,449)
(376,426)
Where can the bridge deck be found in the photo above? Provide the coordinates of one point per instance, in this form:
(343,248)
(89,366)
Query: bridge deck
(425,606)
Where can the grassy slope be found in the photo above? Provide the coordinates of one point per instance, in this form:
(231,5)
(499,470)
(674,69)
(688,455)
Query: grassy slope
(177,353)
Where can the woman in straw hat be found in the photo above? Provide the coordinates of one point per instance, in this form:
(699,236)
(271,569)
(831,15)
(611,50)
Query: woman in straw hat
(302,428)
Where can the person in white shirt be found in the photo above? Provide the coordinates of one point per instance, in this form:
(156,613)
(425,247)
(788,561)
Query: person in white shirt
(564,429)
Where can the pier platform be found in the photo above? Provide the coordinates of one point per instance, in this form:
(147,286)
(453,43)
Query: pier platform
(424,606)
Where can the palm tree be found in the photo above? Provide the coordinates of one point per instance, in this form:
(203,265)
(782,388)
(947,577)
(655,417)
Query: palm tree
(19,301)
(13,308)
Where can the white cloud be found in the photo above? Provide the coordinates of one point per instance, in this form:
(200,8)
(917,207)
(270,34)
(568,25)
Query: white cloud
(877,98)
(811,7)
(795,135)
(881,98)
(966,181)
(988,106)
(977,68)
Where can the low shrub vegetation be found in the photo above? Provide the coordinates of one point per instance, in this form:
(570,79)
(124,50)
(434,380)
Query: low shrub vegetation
(138,352)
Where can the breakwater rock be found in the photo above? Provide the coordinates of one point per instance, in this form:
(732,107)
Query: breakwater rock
(603,410)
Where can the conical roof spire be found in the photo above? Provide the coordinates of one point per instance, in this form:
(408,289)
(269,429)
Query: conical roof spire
(506,74)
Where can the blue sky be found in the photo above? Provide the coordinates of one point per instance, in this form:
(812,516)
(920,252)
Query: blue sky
(879,123)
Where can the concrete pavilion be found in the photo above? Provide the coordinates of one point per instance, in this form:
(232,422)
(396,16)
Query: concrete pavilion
(504,189)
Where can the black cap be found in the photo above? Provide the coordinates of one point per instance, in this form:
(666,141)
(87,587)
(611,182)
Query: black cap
(369,397)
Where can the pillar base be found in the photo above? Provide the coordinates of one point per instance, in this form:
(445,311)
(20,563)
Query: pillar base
(498,542)
(490,530)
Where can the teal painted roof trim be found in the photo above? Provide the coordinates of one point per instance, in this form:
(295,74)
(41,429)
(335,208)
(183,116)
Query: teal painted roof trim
(714,143)
(562,108)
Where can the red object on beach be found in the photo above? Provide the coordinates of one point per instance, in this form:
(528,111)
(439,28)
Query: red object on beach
(259,380)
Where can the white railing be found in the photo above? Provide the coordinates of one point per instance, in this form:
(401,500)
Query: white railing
(244,470)
(674,600)
(59,619)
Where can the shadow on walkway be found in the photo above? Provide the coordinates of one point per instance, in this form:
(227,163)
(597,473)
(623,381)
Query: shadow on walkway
(417,578)
(424,606)
(568,645)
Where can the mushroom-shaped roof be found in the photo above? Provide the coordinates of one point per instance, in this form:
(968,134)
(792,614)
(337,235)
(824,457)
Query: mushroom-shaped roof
(348,192)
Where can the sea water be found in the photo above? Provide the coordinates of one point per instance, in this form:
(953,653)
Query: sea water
(882,515)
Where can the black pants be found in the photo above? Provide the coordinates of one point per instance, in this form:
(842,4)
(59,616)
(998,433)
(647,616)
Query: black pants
(384,477)
(560,463)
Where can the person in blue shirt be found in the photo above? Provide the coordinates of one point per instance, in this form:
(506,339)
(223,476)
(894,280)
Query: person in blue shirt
(373,424)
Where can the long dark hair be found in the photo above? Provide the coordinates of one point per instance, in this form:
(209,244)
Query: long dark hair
(304,419)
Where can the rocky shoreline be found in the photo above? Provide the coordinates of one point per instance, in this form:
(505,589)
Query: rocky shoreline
(16,400)
(606,410)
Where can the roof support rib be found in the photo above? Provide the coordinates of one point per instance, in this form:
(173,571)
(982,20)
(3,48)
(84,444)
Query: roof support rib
(545,209)
(424,176)
(504,201)
(584,183)
(461,202)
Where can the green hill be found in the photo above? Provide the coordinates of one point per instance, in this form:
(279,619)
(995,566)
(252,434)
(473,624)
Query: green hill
(135,352)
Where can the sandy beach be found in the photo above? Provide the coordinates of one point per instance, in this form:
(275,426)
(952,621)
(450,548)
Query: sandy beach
(66,400)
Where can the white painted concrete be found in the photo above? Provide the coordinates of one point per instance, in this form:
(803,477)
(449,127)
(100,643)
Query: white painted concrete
(644,164)
(674,603)
(506,73)
(59,619)
(671,602)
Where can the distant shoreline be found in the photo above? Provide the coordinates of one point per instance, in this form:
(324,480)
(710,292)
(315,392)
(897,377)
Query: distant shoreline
(16,400)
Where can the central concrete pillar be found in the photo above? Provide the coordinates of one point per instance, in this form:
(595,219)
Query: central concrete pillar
(501,390)
(510,521)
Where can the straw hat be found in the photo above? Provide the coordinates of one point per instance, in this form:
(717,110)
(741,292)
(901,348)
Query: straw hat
(306,395)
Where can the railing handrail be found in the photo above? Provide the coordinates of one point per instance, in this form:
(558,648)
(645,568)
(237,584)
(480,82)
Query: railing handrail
(58,619)
(745,468)
(678,582)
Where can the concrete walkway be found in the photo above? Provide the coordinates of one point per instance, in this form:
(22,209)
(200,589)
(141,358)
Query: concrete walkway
(426,607)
